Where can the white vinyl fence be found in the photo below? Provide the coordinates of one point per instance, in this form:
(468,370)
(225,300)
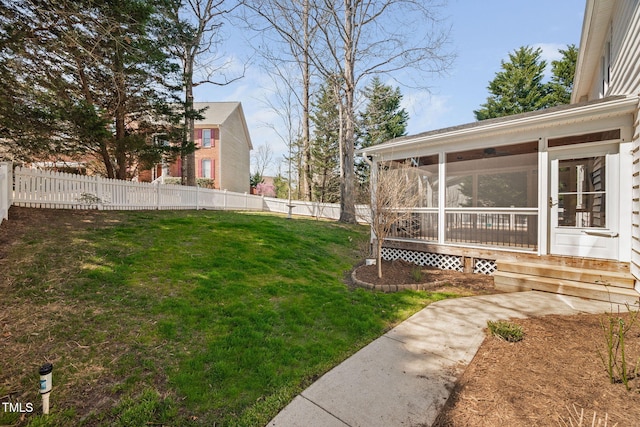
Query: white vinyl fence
(57,190)
(314,209)
(6,183)
(46,189)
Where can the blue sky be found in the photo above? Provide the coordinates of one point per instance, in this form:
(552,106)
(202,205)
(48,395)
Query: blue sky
(483,34)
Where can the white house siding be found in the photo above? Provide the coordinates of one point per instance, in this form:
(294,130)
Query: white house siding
(625,46)
(625,80)
(235,155)
(635,241)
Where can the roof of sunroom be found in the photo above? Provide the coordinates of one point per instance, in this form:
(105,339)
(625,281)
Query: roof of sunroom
(553,115)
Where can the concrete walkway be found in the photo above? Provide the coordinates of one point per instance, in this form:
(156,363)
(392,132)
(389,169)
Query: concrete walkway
(404,377)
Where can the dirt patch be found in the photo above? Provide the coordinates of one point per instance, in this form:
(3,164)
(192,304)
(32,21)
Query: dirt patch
(24,220)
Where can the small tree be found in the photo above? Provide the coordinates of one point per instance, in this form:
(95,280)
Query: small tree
(393,199)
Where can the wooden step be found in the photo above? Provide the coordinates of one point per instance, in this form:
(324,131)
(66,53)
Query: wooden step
(515,282)
(576,274)
(575,262)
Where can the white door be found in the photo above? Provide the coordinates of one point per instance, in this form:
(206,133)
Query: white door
(584,203)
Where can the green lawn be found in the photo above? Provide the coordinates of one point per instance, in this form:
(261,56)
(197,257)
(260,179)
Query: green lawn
(179,318)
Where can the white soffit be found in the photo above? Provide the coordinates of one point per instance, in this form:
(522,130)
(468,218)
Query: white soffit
(564,115)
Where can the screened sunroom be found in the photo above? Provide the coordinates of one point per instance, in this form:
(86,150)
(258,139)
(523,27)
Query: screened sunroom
(489,197)
(549,182)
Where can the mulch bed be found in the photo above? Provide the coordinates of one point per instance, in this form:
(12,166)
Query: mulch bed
(548,379)
(405,275)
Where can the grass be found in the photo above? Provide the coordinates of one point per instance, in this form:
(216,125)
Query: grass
(184,318)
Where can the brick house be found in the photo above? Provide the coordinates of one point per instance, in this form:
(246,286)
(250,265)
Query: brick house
(223,148)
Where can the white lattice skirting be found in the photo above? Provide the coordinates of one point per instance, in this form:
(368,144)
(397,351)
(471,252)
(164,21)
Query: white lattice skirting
(484,266)
(442,261)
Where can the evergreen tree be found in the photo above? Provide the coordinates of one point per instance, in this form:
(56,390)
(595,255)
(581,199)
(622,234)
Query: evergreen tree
(91,75)
(563,72)
(518,88)
(325,117)
(382,119)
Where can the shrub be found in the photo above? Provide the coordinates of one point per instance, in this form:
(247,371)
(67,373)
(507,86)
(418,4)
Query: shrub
(505,330)
(416,274)
(615,329)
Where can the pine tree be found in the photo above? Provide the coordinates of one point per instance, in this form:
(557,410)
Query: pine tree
(519,87)
(563,72)
(382,119)
(325,117)
(102,92)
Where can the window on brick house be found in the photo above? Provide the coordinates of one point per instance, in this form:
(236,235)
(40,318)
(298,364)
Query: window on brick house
(206,138)
(206,171)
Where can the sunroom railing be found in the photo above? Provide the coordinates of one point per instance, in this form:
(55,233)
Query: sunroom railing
(423,225)
(509,227)
(493,227)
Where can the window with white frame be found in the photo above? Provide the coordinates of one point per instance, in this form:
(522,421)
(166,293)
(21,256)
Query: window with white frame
(206,171)
(206,138)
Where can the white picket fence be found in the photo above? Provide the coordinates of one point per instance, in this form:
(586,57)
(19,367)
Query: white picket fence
(46,189)
(314,209)
(57,190)
(6,182)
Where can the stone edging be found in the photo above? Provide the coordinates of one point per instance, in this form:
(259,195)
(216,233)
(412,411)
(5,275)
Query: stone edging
(393,288)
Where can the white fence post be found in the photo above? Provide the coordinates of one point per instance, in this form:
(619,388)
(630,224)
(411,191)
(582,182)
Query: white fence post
(99,193)
(6,189)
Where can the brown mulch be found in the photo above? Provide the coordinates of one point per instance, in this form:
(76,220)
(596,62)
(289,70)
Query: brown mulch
(401,272)
(548,379)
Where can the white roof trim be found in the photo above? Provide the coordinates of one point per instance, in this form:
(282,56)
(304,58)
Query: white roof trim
(597,15)
(616,106)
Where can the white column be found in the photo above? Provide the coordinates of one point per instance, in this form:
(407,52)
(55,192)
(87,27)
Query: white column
(442,195)
(543,197)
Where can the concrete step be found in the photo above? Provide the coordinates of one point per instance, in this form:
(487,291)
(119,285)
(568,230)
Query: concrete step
(576,274)
(516,282)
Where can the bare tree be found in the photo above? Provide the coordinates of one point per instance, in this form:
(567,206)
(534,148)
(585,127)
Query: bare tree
(196,31)
(396,193)
(367,37)
(284,101)
(295,25)
(262,159)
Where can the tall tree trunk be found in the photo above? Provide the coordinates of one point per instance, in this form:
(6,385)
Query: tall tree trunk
(106,159)
(189,157)
(120,116)
(306,77)
(347,184)
(121,149)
